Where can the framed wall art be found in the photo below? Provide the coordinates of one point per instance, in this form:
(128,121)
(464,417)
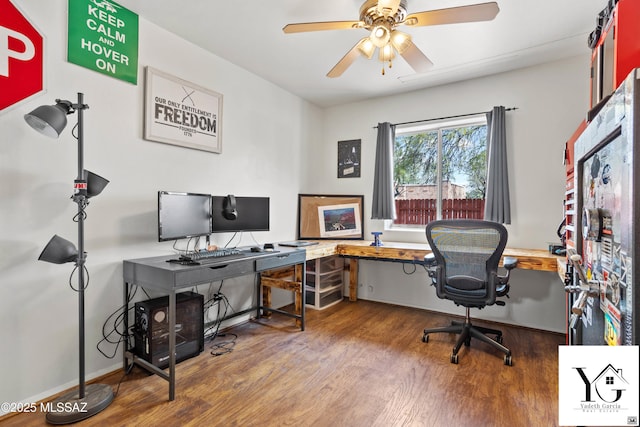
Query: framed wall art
(181,113)
(349,159)
(330,217)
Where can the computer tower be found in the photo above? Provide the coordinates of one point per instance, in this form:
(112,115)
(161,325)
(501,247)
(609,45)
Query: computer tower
(151,330)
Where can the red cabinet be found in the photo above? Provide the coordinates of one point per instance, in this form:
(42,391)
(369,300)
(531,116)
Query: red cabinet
(617,48)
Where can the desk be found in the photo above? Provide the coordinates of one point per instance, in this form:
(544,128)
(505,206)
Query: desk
(168,277)
(528,259)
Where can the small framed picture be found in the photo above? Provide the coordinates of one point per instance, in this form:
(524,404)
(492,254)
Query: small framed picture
(349,159)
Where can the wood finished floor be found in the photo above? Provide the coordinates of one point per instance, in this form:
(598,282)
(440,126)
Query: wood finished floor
(357,364)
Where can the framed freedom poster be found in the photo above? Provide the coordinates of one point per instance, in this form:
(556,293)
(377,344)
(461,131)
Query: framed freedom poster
(181,113)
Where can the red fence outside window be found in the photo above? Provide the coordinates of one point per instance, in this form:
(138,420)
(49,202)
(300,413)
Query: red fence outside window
(423,211)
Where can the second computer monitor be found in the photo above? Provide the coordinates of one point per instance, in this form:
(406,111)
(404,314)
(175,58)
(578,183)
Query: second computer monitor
(252,214)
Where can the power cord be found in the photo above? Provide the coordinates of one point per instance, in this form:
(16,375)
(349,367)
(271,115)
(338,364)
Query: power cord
(404,268)
(126,372)
(86,282)
(218,299)
(212,333)
(232,239)
(223,347)
(117,317)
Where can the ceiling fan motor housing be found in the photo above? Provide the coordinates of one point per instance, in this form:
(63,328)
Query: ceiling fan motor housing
(372,17)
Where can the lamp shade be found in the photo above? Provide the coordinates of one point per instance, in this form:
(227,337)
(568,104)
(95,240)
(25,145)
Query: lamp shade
(95,183)
(380,35)
(400,41)
(49,120)
(386,53)
(366,47)
(59,251)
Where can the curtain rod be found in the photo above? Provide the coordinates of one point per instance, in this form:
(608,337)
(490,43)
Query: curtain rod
(448,117)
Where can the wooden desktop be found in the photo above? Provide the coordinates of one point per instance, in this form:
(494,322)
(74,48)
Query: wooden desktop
(528,259)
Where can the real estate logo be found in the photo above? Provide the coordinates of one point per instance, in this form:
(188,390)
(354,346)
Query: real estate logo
(598,385)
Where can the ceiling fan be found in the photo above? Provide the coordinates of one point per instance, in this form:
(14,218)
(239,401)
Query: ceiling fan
(381,17)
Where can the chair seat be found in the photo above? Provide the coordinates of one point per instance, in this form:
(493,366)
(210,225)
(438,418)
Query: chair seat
(501,290)
(480,294)
(466,283)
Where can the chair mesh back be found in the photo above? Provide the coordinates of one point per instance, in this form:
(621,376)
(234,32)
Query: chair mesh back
(468,253)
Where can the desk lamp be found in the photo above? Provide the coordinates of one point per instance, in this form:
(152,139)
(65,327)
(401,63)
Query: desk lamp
(50,120)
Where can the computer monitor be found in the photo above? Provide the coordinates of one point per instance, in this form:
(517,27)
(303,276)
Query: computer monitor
(252,214)
(183,215)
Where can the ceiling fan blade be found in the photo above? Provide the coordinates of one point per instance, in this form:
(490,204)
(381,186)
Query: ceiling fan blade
(347,60)
(321,26)
(388,7)
(416,59)
(454,15)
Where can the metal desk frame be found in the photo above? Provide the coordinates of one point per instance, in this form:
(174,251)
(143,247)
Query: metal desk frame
(158,273)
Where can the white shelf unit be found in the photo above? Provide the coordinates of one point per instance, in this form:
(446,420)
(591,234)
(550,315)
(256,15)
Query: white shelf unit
(325,285)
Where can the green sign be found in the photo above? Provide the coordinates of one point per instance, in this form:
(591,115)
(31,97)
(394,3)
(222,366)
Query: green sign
(103,36)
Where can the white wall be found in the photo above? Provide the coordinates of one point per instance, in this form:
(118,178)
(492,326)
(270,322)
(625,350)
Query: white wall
(551,99)
(264,131)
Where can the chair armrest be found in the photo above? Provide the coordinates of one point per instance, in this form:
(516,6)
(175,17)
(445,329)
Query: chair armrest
(430,260)
(431,265)
(510,262)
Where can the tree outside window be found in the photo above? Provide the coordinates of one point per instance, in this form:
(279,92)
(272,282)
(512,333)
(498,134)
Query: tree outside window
(440,171)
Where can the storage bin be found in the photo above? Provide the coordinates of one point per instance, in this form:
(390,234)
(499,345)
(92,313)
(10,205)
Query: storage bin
(324,281)
(320,301)
(322,265)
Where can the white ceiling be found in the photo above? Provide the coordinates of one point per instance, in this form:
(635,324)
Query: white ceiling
(249,34)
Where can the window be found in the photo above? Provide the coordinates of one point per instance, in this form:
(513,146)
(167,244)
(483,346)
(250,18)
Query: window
(440,171)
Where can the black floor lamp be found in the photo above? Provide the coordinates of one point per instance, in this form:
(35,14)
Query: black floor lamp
(50,120)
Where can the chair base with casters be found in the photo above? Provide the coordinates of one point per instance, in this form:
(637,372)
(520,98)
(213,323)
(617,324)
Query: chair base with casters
(467,331)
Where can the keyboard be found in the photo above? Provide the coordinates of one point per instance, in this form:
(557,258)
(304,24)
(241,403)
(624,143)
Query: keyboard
(218,254)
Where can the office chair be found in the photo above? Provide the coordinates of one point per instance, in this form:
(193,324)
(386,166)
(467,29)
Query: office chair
(464,269)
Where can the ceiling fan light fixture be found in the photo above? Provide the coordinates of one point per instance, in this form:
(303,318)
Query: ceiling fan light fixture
(400,41)
(386,54)
(380,35)
(381,17)
(366,47)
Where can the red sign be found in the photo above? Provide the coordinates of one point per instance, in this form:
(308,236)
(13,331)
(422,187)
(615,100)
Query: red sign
(21,56)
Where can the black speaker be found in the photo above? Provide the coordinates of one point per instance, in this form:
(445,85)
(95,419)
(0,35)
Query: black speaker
(230,210)
(151,330)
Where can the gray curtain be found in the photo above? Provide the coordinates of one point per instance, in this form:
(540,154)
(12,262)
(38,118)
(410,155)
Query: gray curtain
(497,206)
(383,204)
